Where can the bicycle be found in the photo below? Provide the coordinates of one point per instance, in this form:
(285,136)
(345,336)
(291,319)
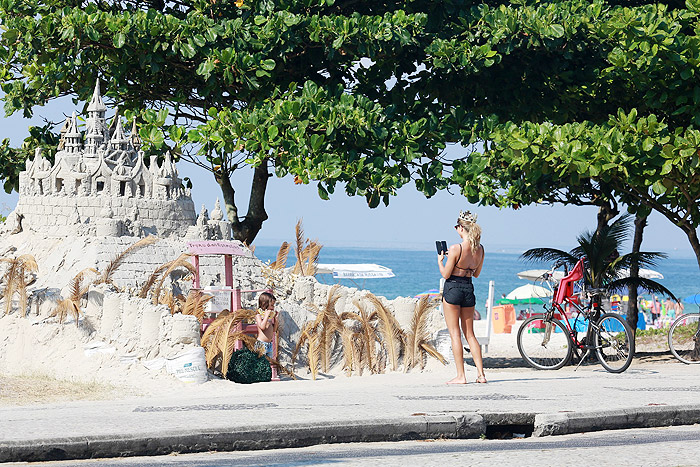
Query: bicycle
(549,341)
(684,338)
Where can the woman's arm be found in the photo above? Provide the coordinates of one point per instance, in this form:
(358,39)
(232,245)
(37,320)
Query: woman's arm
(477,271)
(446,269)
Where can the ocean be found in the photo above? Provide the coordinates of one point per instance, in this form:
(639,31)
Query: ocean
(416,271)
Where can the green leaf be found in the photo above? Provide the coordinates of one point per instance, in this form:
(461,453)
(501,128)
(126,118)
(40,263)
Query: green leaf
(268,64)
(272,132)
(118,40)
(322,193)
(557,30)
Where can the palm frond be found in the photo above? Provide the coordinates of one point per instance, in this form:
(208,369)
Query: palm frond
(195,303)
(116,262)
(299,238)
(393,336)
(15,280)
(146,287)
(549,255)
(181,261)
(77,289)
(432,351)
(651,286)
(282,255)
(64,308)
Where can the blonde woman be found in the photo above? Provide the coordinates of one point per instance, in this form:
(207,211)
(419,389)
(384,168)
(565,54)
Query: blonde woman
(464,261)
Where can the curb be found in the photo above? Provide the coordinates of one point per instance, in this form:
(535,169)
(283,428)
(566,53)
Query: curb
(423,426)
(236,439)
(639,417)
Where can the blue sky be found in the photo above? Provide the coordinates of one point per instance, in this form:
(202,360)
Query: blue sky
(409,222)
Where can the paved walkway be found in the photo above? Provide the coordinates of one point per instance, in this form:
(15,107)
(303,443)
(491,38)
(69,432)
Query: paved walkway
(220,415)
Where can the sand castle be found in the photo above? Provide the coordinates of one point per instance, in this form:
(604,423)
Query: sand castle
(91,204)
(99,184)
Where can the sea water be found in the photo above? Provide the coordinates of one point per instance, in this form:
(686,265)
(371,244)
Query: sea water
(417,271)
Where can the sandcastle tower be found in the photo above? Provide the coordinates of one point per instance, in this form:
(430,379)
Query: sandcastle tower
(100,185)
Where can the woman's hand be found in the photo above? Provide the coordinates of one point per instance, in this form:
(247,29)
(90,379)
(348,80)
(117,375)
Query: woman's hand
(441,256)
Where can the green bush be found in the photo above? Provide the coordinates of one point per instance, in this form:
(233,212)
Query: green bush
(248,367)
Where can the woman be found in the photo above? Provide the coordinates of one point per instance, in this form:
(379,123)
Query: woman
(464,261)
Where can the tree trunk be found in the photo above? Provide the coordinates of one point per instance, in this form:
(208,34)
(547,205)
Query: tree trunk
(692,235)
(632,311)
(606,212)
(246,229)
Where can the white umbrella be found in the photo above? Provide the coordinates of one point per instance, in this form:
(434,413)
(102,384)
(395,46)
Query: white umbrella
(645,273)
(529,291)
(538,274)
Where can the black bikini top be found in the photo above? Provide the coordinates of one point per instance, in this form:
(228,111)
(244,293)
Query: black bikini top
(469,270)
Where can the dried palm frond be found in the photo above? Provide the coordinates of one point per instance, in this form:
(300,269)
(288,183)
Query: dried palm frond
(195,303)
(64,308)
(368,333)
(300,245)
(15,280)
(166,298)
(219,339)
(310,255)
(394,338)
(77,288)
(281,260)
(71,305)
(348,338)
(306,332)
(146,287)
(433,352)
(417,337)
(116,262)
(328,326)
(181,261)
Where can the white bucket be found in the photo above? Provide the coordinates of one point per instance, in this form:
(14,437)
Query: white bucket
(189,366)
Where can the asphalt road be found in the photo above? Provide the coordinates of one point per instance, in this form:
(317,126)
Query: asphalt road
(677,446)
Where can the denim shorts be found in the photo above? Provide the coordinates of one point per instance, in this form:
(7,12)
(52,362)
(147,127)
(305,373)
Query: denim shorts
(459,291)
(266,347)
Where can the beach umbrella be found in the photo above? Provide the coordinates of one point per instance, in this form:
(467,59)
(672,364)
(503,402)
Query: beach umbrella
(645,273)
(529,291)
(428,293)
(538,274)
(519,301)
(693,299)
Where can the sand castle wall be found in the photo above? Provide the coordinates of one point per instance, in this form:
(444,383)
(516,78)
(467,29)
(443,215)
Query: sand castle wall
(120,330)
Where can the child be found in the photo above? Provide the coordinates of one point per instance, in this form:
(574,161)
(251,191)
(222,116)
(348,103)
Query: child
(267,321)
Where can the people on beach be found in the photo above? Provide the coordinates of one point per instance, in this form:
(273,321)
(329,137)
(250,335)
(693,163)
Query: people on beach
(267,322)
(464,261)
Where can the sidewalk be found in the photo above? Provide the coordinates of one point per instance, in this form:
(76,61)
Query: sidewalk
(220,415)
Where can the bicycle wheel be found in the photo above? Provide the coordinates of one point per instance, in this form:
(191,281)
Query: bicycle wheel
(614,346)
(684,338)
(544,344)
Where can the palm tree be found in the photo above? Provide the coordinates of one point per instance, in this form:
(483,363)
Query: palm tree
(604,264)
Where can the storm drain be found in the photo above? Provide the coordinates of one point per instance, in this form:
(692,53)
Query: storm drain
(509,425)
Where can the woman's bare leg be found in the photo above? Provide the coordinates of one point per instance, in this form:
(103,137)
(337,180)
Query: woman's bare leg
(467,318)
(452,313)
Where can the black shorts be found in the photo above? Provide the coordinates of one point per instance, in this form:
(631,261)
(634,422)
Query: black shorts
(459,291)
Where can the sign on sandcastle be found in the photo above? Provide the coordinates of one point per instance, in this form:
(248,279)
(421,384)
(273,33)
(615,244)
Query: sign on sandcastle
(100,185)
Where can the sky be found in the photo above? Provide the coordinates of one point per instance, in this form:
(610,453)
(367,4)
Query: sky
(409,222)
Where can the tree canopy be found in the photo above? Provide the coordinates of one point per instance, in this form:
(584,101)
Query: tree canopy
(577,101)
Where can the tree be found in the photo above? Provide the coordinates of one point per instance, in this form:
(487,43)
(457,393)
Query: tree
(632,138)
(294,87)
(604,263)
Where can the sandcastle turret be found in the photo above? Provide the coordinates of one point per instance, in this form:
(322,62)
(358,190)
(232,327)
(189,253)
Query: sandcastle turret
(107,170)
